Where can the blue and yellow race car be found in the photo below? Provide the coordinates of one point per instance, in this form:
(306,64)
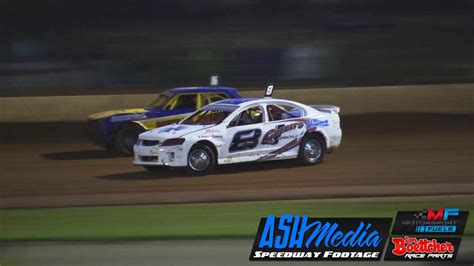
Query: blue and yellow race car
(119,129)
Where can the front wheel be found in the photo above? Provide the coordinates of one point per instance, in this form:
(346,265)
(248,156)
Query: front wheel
(126,139)
(312,150)
(201,160)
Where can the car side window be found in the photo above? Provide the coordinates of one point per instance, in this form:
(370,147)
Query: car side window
(185,101)
(282,112)
(213,97)
(252,115)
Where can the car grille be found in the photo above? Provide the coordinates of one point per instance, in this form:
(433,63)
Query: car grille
(149,158)
(147,142)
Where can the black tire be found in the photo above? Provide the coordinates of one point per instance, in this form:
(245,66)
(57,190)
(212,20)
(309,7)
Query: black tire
(312,150)
(126,138)
(195,164)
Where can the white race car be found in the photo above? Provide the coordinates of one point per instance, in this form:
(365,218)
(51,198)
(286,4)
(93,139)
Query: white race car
(242,130)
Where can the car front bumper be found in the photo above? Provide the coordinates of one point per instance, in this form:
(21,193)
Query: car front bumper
(174,156)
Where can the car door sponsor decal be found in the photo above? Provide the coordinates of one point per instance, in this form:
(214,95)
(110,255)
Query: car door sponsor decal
(273,135)
(245,140)
(290,145)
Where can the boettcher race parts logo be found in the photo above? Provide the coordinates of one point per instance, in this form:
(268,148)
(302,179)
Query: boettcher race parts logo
(422,248)
(446,221)
(303,238)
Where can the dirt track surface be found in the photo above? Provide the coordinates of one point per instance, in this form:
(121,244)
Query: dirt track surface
(172,252)
(48,165)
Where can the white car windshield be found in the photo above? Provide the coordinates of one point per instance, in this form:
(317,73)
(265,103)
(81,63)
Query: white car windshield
(209,115)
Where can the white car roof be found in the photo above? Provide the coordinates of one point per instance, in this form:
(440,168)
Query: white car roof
(241,102)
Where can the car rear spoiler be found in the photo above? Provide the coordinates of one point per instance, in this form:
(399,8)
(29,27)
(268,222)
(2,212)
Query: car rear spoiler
(327,108)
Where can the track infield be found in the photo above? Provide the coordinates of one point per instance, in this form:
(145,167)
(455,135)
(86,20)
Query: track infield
(198,220)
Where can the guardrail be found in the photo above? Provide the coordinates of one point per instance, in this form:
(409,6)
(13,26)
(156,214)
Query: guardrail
(446,98)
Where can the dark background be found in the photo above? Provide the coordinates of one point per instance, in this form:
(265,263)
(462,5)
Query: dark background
(59,47)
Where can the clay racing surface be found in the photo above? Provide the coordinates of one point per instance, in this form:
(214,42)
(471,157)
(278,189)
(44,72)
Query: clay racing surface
(167,252)
(47,165)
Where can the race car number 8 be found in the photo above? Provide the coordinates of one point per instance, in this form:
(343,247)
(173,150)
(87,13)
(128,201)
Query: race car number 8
(269,91)
(245,140)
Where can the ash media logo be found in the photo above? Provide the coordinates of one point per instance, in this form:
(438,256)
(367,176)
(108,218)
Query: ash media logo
(430,221)
(303,238)
(428,249)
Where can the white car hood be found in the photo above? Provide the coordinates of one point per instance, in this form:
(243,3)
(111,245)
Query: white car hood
(172,131)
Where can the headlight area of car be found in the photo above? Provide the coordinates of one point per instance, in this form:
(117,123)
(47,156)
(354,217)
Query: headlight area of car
(173,142)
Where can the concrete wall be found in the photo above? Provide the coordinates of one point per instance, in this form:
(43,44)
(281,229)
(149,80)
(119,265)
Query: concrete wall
(451,98)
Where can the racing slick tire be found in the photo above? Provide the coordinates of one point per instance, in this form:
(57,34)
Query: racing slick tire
(126,138)
(201,160)
(312,150)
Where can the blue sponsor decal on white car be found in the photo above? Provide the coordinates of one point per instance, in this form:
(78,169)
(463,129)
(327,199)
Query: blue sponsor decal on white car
(317,123)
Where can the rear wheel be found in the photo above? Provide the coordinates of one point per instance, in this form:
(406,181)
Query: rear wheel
(312,150)
(201,160)
(126,139)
